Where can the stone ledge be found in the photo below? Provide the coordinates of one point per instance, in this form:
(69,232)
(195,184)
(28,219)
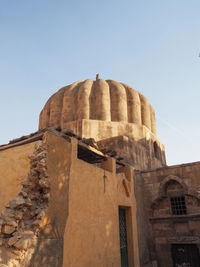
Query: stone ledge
(175,218)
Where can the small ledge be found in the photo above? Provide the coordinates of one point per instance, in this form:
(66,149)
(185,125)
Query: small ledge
(175,217)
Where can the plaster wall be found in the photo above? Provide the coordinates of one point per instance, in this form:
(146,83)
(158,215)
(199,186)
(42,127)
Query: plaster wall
(91,235)
(79,225)
(14,168)
(49,250)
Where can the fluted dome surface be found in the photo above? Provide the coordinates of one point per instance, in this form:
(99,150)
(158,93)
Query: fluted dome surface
(97,100)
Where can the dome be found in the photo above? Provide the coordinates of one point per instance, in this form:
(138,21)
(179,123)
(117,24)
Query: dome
(99,109)
(100,100)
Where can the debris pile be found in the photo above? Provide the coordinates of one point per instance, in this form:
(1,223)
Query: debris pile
(21,218)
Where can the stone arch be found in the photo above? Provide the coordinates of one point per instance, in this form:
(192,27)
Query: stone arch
(168,179)
(162,194)
(162,189)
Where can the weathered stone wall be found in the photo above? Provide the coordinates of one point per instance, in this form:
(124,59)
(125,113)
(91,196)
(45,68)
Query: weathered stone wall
(159,229)
(99,130)
(139,154)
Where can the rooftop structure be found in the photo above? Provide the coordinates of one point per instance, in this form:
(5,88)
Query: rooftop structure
(92,188)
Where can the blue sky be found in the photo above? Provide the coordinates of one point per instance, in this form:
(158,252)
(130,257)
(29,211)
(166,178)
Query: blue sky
(152,45)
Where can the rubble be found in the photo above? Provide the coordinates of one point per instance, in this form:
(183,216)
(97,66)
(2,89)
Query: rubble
(8,229)
(20,220)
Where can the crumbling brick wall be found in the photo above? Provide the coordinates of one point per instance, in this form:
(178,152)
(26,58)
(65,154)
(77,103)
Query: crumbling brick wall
(20,220)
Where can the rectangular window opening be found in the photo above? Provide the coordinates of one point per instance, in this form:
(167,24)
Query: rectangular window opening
(178,206)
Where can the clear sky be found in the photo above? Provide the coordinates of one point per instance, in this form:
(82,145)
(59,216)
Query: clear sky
(152,46)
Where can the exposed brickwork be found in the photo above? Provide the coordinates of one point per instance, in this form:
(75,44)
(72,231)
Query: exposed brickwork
(160,228)
(20,220)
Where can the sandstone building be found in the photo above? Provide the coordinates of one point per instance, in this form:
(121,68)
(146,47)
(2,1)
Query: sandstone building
(92,188)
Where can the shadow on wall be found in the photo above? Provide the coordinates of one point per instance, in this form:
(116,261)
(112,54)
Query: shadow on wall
(142,154)
(49,251)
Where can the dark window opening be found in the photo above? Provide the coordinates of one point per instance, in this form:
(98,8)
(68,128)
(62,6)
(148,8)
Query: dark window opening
(178,206)
(41,190)
(156,150)
(89,156)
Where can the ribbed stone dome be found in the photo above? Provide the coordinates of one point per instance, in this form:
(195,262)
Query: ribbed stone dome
(97,100)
